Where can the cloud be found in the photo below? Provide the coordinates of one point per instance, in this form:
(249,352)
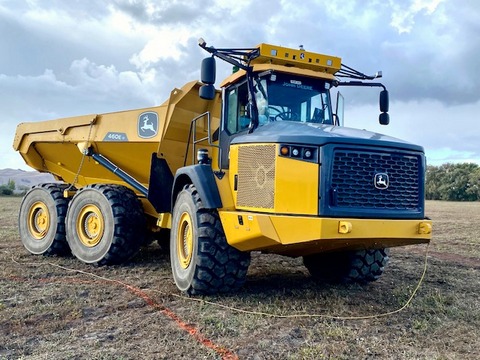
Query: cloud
(87,85)
(164,44)
(163,13)
(71,57)
(52,35)
(403,15)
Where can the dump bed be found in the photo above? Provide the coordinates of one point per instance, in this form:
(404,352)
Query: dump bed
(126,138)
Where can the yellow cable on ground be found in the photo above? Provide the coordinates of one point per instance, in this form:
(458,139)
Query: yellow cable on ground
(322,315)
(259,313)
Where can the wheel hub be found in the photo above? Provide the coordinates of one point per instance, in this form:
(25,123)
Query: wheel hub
(39,220)
(90,225)
(185,240)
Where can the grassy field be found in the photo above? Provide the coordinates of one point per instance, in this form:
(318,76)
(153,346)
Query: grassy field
(59,308)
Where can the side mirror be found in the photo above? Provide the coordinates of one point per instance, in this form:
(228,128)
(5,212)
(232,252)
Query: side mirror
(207,92)
(207,76)
(208,69)
(384,102)
(384,118)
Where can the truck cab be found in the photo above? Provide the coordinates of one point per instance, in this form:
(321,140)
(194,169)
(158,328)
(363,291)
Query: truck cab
(278,97)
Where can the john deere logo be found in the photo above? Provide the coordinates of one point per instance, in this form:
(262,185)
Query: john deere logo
(381,181)
(148,124)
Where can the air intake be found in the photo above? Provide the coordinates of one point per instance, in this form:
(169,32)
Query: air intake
(256,175)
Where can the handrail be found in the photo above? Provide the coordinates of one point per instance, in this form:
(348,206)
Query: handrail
(193,133)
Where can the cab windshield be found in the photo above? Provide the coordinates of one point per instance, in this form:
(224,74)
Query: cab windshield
(279,97)
(282,97)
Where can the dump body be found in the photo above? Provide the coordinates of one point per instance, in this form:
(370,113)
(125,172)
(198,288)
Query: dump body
(126,138)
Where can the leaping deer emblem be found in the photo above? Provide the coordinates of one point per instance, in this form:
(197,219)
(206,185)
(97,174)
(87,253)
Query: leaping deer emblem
(147,125)
(381,181)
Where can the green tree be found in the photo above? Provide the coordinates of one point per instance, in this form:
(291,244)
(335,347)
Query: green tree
(8,188)
(453,182)
(474,184)
(5,190)
(434,178)
(11,184)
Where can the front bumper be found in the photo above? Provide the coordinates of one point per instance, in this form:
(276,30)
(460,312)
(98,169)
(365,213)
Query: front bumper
(300,235)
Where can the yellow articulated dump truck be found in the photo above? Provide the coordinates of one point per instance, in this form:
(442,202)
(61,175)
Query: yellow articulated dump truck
(264,164)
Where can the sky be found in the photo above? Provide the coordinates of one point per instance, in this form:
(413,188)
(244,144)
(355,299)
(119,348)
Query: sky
(61,58)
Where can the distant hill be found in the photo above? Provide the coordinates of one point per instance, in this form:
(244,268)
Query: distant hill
(24,178)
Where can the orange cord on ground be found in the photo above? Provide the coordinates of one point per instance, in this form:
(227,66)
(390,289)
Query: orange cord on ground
(190,329)
(194,332)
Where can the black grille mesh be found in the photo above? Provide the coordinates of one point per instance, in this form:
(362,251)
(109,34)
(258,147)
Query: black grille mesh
(353,176)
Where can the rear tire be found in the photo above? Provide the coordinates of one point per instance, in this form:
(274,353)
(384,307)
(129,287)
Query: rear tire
(105,224)
(202,261)
(41,220)
(349,266)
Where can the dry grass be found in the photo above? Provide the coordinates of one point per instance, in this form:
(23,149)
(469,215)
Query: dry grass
(49,312)
(455,227)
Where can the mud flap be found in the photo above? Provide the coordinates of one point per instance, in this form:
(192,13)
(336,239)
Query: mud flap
(160,185)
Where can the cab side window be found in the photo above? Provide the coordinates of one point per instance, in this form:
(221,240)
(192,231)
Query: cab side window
(237,117)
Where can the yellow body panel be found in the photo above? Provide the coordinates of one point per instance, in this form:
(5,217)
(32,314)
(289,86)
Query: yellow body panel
(300,235)
(274,54)
(182,107)
(233,156)
(226,193)
(296,187)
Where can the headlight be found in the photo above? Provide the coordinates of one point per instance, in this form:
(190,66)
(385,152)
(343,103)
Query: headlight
(306,153)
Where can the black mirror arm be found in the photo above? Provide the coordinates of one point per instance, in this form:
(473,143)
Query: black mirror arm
(237,57)
(240,58)
(358,83)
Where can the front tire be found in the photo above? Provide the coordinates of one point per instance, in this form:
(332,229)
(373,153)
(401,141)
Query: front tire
(202,261)
(41,220)
(349,266)
(105,224)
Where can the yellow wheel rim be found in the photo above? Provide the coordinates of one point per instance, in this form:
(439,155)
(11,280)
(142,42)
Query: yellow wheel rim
(185,240)
(38,220)
(90,225)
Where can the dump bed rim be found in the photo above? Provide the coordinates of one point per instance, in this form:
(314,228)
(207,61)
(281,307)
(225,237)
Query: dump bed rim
(58,125)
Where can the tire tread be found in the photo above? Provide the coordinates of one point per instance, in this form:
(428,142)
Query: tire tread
(220,267)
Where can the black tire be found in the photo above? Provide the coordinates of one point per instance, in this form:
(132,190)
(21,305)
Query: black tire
(349,266)
(41,220)
(105,224)
(202,261)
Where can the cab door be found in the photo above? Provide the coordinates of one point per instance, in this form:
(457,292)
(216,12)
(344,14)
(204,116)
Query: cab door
(235,119)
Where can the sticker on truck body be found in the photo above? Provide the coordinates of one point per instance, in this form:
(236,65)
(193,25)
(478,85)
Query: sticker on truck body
(115,136)
(147,125)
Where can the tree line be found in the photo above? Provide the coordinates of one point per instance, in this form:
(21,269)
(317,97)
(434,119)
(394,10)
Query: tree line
(453,182)
(8,188)
(450,182)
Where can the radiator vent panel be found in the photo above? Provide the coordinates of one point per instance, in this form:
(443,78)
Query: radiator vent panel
(256,176)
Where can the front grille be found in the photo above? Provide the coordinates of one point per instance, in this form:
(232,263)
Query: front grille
(353,180)
(256,175)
